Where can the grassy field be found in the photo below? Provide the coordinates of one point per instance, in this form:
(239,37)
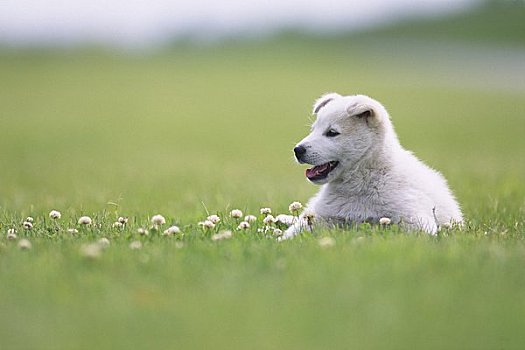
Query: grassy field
(193,131)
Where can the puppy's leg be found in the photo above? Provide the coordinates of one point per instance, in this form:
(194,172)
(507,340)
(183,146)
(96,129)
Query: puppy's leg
(292,231)
(302,224)
(429,224)
(423,222)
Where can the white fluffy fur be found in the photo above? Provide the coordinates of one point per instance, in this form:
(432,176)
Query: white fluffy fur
(376,177)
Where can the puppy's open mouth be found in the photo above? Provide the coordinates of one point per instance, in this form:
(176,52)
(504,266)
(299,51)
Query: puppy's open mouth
(320,172)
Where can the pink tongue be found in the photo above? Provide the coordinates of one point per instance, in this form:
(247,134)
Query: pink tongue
(316,170)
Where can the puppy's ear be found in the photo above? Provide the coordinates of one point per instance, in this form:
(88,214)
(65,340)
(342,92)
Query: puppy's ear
(365,113)
(323,101)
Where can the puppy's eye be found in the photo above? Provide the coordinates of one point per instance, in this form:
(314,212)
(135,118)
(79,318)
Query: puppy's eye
(331,133)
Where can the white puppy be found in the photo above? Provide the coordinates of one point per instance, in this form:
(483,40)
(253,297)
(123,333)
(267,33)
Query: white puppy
(365,173)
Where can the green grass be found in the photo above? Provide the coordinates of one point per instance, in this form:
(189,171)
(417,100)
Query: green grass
(373,289)
(190,130)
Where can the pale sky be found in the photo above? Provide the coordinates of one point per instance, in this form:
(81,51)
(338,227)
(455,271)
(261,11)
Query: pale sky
(145,23)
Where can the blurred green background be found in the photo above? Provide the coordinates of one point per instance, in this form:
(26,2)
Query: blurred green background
(194,126)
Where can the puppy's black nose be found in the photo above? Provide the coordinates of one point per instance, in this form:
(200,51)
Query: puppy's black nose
(299,151)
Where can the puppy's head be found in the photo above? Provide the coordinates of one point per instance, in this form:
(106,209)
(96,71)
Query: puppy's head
(345,129)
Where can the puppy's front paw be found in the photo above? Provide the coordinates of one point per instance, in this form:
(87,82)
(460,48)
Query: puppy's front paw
(291,232)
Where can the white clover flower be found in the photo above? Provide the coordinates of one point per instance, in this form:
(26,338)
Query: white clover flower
(123,220)
(30,219)
(221,235)
(265,229)
(27,225)
(117,224)
(24,244)
(214,219)
(243,225)
(171,230)
(85,220)
(236,214)
(11,234)
(385,221)
(294,207)
(142,231)
(135,245)
(269,220)
(285,219)
(278,232)
(250,218)
(91,251)
(72,231)
(309,217)
(266,211)
(326,242)
(158,220)
(103,243)
(55,214)
(207,224)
